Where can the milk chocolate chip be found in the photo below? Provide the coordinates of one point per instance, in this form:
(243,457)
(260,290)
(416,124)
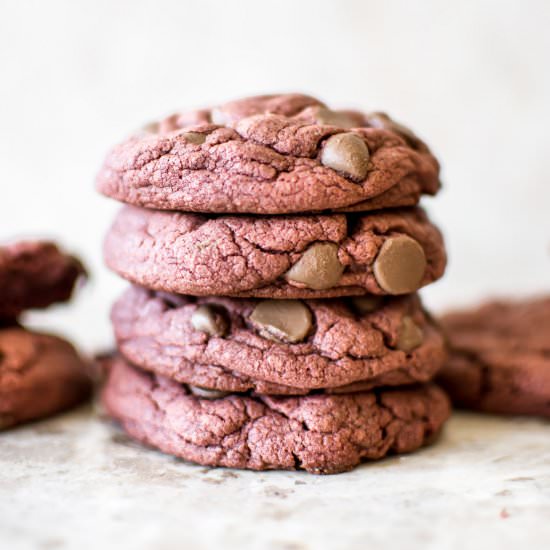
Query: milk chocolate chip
(206,393)
(282,320)
(327,117)
(410,335)
(194,137)
(346,153)
(400,265)
(318,268)
(382,120)
(208,319)
(149,128)
(366,304)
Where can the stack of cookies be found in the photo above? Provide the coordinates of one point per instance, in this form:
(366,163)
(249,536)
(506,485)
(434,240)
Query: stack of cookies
(40,374)
(275,248)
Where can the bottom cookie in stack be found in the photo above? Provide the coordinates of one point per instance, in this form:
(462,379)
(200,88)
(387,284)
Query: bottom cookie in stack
(284,384)
(319,433)
(500,357)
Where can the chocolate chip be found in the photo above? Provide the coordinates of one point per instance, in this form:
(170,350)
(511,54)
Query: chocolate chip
(210,320)
(319,267)
(206,393)
(382,120)
(171,301)
(366,304)
(327,117)
(378,120)
(410,335)
(346,153)
(282,320)
(151,128)
(400,265)
(194,137)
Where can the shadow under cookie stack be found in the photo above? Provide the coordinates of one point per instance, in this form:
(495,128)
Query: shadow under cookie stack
(274,248)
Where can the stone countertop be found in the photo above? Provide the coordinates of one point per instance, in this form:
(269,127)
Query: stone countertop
(78,482)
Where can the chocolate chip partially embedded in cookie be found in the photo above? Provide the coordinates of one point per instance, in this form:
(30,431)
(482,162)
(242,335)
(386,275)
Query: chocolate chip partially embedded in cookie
(400,265)
(150,128)
(319,267)
(206,393)
(210,320)
(366,304)
(382,120)
(282,320)
(346,153)
(334,118)
(195,137)
(410,335)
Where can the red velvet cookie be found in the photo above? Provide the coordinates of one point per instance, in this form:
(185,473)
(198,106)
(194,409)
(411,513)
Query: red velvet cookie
(35,274)
(39,375)
(316,256)
(500,357)
(271,155)
(318,433)
(278,346)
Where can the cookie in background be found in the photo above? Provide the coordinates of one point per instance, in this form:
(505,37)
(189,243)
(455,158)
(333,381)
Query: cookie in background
(500,357)
(40,374)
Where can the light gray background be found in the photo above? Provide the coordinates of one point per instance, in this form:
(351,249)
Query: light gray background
(471,77)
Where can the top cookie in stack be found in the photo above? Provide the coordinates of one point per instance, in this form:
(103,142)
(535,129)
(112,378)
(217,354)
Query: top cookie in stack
(279,200)
(281,154)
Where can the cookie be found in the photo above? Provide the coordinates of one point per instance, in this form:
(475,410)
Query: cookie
(39,375)
(392,252)
(500,357)
(271,155)
(278,347)
(35,274)
(318,433)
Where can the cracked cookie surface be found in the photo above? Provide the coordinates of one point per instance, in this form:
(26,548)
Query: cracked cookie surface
(35,274)
(40,375)
(270,155)
(322,434)
(500,357)
(348,344)
(249,256)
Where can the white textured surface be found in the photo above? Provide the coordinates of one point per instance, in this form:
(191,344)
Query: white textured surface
(77,483)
